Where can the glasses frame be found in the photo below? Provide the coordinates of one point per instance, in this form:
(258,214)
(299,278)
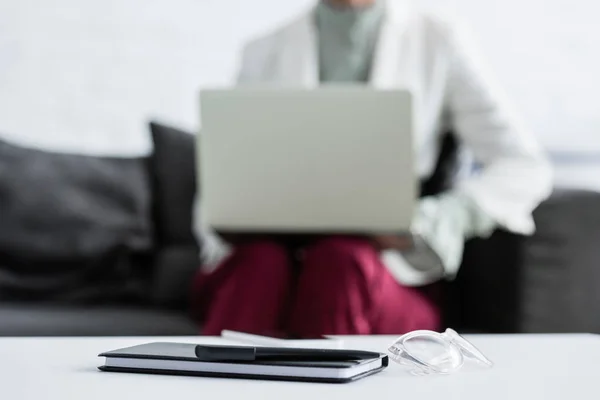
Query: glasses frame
(456,346)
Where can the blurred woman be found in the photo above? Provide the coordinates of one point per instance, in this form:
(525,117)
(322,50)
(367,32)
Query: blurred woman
(381,285)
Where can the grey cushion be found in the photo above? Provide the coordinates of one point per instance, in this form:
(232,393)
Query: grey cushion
(74,228)
(40,320)
(173,170)
(561,274)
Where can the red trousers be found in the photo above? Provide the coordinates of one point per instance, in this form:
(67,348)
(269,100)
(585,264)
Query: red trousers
(340,287)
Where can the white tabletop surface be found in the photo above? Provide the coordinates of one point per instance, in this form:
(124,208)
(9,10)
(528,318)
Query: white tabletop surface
(526,367)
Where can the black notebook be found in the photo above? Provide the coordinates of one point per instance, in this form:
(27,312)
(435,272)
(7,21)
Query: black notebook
(314,365)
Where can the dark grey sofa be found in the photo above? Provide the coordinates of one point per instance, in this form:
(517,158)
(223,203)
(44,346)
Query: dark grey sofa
(115,253)
(545,283)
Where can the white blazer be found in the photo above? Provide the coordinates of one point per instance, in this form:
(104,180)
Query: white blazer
(453,91)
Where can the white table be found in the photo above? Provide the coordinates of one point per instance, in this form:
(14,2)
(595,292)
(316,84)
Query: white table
(527,367)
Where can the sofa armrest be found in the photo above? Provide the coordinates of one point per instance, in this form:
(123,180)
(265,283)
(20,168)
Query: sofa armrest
(545,283)
(561,275)
(174,269)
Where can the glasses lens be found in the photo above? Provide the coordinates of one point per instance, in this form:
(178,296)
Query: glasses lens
(467,348)
(434,351)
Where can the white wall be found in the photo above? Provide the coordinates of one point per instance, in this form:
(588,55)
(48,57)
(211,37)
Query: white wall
(86,75)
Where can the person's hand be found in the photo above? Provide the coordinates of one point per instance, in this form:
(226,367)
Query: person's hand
(392,242)
(442,225)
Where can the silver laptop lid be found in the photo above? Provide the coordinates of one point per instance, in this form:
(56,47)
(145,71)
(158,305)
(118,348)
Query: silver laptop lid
(334,159)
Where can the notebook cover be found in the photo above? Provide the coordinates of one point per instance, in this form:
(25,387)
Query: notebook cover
(246,376)
(185,352)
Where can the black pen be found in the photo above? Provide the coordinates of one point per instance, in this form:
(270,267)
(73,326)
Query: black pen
(209,353)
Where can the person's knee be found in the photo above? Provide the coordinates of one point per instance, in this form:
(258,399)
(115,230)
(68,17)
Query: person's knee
(334,294)
(341,271)
(263,257)
(341,256)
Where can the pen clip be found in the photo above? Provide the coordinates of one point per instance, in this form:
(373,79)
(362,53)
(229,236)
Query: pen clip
(208,353)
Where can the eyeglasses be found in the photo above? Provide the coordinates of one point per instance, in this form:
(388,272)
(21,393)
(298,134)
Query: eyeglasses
(432,352)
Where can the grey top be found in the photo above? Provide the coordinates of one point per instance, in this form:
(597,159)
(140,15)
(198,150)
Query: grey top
(347,40)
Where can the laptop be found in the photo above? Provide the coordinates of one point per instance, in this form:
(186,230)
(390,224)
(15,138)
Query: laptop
(327,160)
